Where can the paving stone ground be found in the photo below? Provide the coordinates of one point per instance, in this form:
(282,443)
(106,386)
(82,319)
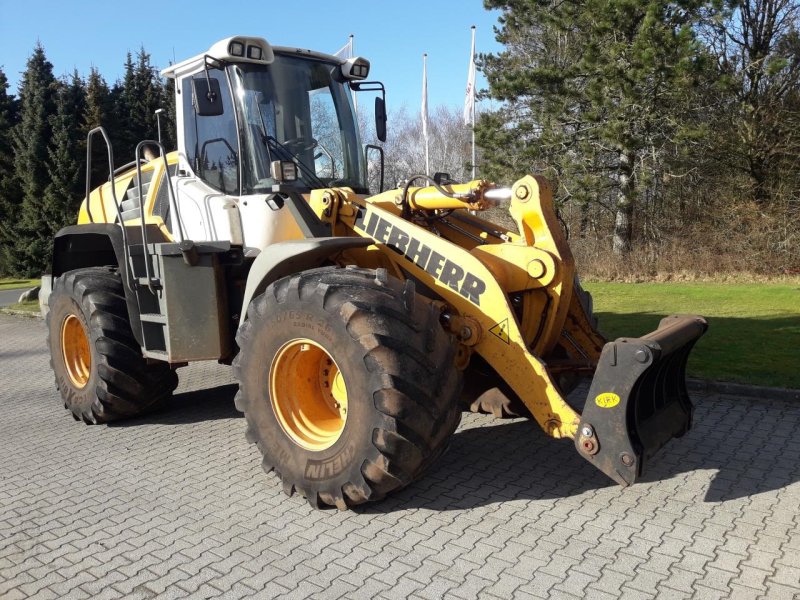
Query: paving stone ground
(176,505)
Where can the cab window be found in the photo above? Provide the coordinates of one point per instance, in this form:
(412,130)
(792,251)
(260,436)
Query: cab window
(212,144)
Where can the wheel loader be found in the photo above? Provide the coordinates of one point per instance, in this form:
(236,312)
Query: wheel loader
(351,320)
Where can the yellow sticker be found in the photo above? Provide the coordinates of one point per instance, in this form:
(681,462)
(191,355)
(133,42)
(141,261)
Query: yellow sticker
(501,330)
(607,400)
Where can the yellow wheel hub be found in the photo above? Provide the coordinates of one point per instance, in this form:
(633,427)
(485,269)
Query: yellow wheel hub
(308,394)
(75,350)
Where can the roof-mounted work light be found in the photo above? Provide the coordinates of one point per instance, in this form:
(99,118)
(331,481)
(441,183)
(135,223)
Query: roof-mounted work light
(355,68)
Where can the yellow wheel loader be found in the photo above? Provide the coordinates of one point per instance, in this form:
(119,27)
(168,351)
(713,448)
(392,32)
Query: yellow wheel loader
(350,320)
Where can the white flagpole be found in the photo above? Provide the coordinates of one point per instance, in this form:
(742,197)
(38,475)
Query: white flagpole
(424,111)
(355,96)
(471,91)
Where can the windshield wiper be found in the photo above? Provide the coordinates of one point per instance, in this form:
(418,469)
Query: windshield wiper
(279,149)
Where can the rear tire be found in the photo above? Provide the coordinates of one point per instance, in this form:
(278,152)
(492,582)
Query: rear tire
(398,368)
(98,364)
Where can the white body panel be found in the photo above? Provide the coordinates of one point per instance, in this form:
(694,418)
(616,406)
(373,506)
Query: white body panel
(263,226)
(208,215)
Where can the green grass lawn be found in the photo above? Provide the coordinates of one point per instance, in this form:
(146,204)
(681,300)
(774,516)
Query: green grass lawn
(10,283)
(754,329)
(31,307)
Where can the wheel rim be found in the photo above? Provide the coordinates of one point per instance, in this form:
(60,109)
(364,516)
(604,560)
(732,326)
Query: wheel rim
(308,394)
(75,350)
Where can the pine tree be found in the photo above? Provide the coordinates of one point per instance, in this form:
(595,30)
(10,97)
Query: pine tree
(99,111)
(10,191)
(168,131)
(593,91)
(66,168)
(31,138)
(124,94)
(140,94)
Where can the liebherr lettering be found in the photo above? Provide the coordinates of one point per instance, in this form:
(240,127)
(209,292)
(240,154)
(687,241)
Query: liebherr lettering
(445,270)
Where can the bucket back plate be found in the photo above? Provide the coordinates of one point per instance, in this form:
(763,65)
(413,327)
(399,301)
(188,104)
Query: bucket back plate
(638,400)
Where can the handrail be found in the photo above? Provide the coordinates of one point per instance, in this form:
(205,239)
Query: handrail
(127,166)
(150,280)
(111,172)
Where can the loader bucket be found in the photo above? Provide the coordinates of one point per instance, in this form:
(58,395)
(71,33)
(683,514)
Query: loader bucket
(638,400)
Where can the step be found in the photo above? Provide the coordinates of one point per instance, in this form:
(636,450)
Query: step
(130,215)
(131,204)
(133,191)
(153,318)
(157,354)
(143,281)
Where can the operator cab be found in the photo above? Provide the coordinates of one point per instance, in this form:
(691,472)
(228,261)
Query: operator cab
(243,109)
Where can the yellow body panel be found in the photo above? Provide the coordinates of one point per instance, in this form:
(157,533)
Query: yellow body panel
(466,284)
(101,199)
(474,284)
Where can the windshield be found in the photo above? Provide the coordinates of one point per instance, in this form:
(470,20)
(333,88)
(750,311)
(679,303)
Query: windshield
(294,109)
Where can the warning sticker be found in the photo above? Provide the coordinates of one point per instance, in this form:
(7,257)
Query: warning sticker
(501,330)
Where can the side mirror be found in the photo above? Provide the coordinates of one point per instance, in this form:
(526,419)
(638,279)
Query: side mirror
(380,118)
(380,104)
(206,97)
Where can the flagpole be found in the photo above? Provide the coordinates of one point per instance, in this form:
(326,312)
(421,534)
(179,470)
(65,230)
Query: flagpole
(425,111)
(474,167)
(355,96)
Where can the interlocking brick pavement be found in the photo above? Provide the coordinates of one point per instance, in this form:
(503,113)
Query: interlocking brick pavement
(176,505)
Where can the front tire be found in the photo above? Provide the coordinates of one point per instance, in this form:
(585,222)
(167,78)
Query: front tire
(388,363)
(98,365)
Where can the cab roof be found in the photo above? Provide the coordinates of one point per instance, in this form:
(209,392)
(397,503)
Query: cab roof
(242,48)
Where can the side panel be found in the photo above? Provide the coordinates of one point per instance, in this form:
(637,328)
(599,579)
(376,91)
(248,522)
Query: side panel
(263,225)
(207,214)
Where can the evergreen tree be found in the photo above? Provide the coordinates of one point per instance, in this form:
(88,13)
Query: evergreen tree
(66,168)
(123,95)
(98,111)
(10,192)
(98,101)
(140,95)
(592,90)
(151,94)
(31,138)
(168,131)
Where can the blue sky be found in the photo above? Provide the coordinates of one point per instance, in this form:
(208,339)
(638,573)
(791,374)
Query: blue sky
(392,35)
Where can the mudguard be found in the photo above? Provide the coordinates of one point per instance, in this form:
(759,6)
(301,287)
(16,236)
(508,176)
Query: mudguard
(638,400)
(285,258)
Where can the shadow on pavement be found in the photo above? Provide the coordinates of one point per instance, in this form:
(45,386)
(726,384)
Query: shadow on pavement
(750,446)
(515,460)
(12,354)
(191,407)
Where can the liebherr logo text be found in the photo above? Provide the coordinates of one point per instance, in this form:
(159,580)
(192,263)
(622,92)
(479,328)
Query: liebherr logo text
(445,270)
